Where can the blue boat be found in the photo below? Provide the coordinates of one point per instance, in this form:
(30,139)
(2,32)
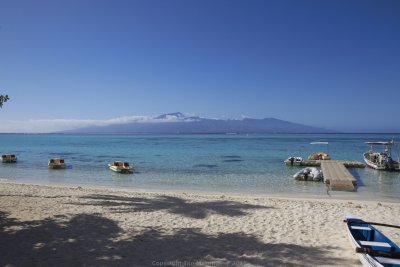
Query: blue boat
(373,247)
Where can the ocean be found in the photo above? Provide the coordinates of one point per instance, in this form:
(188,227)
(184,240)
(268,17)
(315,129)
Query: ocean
(238,164)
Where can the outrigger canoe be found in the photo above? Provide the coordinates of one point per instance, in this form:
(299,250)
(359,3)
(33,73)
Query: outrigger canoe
(373,247)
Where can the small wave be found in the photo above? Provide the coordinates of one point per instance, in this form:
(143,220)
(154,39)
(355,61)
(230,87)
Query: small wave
(209,166)
(231,157)
(103,156)
(233,160)
(64,153)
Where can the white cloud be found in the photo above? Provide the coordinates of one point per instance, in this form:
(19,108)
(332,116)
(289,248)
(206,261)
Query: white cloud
(54,125)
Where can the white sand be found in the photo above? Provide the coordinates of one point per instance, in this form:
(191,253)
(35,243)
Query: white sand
(63,226)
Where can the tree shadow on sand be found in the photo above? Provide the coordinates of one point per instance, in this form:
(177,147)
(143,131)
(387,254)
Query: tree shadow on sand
(175,205)
(92,240)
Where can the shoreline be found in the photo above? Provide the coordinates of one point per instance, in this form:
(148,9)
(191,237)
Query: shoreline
(59,225)
(332,196)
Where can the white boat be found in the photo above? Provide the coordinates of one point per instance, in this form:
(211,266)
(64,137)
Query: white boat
(293,161)
(381,160)
(120,167)
(372,247)
(56,163)
(8,158)
(308,174)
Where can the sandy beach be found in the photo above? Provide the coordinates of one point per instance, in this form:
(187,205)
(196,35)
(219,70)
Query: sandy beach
(75,226)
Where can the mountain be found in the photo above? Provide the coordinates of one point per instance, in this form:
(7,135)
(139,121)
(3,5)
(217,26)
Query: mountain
(177,122)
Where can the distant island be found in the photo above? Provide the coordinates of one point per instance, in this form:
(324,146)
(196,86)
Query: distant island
(179,123)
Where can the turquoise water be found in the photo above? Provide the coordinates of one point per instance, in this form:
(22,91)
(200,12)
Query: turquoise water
(248,164)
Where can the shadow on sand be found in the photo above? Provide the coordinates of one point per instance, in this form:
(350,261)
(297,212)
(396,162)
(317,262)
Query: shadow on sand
(174,205)
(92,240)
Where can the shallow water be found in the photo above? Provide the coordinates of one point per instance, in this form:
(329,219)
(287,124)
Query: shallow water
(248,164)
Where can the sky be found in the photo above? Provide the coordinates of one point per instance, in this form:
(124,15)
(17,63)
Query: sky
(330,64)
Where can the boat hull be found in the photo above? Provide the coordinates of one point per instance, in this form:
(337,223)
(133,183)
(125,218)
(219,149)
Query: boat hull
(54,166)
(293,161)
(119,169)
(374,164)
(9,160)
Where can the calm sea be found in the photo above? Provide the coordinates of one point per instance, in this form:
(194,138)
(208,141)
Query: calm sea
(243,164)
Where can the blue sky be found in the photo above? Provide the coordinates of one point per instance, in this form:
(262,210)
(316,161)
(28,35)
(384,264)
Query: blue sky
(333,64)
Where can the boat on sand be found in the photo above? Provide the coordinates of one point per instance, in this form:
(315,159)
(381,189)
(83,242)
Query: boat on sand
(372,246)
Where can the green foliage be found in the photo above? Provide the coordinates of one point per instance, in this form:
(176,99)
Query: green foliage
(3,99)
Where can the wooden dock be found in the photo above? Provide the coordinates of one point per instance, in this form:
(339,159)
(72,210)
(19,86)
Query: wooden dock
(336,174)
(346,163)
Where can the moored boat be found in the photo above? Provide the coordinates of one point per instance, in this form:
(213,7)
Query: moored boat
(381,160)
(293,161)
(308,174)
(8,158)
(319,156)
(372,246)
(56,163)
(120,167)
